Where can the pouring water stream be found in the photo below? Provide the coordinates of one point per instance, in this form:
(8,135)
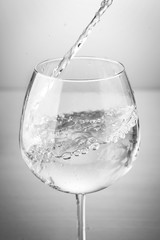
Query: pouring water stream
(82,38)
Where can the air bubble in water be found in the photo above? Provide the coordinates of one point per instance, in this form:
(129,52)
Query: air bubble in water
(77,153)
(66,156)
(94,146)
(78,141)
(91,140)
(84,151)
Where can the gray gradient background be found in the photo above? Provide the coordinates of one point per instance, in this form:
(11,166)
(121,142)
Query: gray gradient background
(32,31)
(35,30)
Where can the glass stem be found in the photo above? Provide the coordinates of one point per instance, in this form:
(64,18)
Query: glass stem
(80,198)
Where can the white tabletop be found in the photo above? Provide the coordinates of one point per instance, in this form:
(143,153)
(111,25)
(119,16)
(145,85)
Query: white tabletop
(128,210)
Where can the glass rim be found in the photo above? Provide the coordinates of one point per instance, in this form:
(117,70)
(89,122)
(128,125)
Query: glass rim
(122,70)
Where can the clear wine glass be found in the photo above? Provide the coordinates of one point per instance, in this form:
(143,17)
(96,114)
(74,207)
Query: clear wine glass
(79,132)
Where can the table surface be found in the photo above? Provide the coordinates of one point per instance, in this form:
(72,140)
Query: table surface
(128,210)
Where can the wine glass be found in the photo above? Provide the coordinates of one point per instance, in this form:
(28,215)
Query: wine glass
(79,132)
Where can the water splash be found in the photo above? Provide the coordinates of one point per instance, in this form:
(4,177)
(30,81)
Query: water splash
(66,140)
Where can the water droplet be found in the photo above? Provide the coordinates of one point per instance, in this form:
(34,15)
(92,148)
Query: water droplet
(66,156)
(94,146)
